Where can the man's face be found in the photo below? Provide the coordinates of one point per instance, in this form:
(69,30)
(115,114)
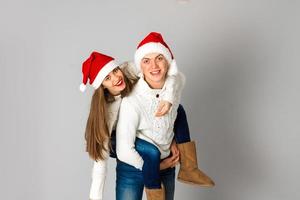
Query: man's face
(154,67)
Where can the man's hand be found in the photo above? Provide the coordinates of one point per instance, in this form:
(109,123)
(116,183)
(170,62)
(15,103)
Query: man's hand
(163,108)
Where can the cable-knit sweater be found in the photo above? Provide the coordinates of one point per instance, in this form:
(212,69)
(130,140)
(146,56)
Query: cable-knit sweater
(99,170)
(137,119)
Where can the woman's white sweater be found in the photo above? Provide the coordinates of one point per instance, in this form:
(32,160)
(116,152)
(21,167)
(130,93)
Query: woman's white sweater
(99,170)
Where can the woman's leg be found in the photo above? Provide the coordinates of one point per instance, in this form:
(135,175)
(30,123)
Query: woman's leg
(129,183)
(181,127)
(168,179)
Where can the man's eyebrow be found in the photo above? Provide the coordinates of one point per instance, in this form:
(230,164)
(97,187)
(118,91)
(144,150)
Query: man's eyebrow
(159,55)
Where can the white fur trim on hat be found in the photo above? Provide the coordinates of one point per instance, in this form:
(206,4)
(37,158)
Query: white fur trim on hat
(103,73)
(151,47)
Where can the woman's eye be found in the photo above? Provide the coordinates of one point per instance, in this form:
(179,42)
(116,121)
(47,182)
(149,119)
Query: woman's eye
(145,61)
(107,78)
(116,70)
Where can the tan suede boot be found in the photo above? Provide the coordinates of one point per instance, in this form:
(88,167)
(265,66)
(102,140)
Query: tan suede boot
(155,194)
(189,171)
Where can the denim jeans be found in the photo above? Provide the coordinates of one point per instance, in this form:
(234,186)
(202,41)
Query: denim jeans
(130,182)
(181,127)
(151,155)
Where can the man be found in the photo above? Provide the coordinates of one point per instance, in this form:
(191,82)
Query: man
(137,117)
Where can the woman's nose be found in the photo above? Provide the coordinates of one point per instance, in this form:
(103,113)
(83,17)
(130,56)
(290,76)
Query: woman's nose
(114,78)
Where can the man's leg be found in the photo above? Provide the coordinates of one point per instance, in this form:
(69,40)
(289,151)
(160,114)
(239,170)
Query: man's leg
(189,171)
(181,127)
(151,156)
(151,173)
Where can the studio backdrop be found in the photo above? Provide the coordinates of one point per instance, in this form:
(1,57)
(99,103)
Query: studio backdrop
(242,92)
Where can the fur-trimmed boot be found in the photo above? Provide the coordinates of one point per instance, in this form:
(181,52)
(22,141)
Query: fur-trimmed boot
(189,171)
(155,194)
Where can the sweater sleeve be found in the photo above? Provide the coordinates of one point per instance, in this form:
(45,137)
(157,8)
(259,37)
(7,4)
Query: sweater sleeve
(170,89)
(174,86)
(126,134)
(98,179)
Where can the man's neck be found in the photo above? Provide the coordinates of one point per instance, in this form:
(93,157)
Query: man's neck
(155,85)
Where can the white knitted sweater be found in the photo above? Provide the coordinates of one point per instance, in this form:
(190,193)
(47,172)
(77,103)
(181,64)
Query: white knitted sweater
(137,119)
(99,170)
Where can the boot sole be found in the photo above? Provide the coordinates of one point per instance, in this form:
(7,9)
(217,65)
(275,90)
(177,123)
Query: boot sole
(192,183)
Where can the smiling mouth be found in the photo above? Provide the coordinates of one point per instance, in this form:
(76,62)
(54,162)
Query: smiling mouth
(120,82)
(155,72)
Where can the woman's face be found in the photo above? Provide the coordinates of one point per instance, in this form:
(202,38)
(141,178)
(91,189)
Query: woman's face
(114,82)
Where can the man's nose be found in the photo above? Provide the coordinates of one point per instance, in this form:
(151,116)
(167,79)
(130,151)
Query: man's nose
(154,64)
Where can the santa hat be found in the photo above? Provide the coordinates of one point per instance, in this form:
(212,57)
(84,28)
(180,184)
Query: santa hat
(96,68)
(154,43)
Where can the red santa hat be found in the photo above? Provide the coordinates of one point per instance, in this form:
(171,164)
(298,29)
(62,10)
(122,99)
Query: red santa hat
(154,43)
(96,68)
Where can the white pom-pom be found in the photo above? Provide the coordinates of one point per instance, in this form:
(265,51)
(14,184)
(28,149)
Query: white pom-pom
(82,87)
(173,70)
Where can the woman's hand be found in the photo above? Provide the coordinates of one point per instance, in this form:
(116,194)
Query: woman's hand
(171,161)
(174,149)
(163,108)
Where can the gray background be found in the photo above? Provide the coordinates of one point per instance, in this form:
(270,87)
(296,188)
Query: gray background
(241,60)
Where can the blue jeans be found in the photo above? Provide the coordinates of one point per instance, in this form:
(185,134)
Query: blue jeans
(151,157)
(130,182)
(150,153)
(181,127)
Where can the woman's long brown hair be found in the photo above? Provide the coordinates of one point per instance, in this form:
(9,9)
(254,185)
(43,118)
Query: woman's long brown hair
(97,135)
